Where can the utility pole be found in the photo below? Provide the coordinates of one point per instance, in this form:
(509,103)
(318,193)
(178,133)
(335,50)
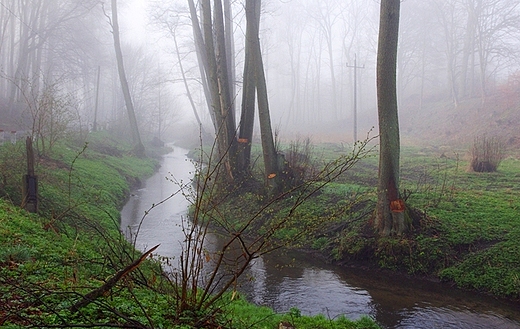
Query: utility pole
(355,67)
(94,126)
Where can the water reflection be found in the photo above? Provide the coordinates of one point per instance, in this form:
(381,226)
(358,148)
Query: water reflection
(162,224)
(285,280)
(393,301)
(312,290)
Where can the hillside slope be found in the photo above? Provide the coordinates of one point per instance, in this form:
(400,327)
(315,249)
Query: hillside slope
(442,123)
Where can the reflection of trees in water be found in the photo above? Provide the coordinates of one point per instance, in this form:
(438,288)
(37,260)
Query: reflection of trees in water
(281,282)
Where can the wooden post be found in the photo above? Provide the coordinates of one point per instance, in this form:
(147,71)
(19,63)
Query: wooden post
(94,126)
(30,181)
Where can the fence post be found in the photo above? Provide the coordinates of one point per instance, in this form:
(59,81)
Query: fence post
(30,181)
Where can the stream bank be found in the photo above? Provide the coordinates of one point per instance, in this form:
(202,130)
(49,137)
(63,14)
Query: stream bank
(290,279)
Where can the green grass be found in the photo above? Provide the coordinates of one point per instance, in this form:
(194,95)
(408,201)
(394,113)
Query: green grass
(473,227)
(244,315)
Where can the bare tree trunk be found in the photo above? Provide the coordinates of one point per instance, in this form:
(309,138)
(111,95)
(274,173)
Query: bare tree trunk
(96,104)
(390,208)
(202,59)
(217,82)
(469,49)
(273,178)
(139,147)
(247,118)
(188,92)
(230,50)
(223,75)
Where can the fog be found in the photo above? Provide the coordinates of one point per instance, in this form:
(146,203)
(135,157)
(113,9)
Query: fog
(450,52)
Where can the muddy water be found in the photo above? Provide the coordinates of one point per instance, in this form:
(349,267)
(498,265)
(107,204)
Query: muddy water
(288,280)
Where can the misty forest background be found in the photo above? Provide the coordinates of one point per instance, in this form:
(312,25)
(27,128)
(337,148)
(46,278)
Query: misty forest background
(457,73)
(62,77)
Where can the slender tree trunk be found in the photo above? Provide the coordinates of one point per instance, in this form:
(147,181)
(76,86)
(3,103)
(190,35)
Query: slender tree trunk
(247,118)
(96,104)
(230,50)
(218,86)
(224,84)
(139,147)
(202,59)
(188,92)
(20,74)
(270,155)
(390,208)
(332,75)
(469,48)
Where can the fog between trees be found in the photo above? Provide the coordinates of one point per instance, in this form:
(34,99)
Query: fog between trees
(448,49)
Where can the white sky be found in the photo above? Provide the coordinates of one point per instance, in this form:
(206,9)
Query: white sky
(132,16)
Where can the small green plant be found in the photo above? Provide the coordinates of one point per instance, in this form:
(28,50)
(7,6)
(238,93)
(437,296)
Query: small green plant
(295,313)
(17,254)
(320,243)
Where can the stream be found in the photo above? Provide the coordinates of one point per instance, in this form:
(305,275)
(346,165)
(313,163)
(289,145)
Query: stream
(288,279)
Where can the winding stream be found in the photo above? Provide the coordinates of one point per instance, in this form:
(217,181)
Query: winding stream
(288,280)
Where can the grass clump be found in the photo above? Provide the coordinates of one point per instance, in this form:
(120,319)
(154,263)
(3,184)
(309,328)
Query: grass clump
(244,315)
(486,154)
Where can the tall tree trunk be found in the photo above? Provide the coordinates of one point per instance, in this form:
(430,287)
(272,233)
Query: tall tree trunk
(219,92)
(223,75)
(185,81)
(390,208)
(230,50)
(468,50)
(270,155)
(138,145)
(332,75)
(202,59)
(247,118)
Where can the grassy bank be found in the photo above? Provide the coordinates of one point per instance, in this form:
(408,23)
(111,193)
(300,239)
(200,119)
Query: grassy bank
(50,261)
(466,224)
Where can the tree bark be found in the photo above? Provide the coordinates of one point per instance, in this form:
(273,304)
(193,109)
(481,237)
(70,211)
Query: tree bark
(202,58)
(217,82)
(389,217)
(273,179)
(223,76)
(138,145)
(247,118)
